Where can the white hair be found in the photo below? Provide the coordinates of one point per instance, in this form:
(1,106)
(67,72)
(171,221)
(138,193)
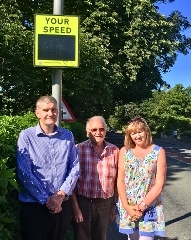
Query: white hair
(93,118)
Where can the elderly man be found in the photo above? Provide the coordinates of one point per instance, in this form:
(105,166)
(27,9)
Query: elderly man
(48,168)
(95,194)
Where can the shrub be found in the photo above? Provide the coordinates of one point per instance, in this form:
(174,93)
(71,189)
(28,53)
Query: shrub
(77,129)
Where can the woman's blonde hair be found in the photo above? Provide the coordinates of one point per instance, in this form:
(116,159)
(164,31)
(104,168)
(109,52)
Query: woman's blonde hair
(135,125)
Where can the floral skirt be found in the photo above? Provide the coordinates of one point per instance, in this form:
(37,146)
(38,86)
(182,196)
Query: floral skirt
(151,224)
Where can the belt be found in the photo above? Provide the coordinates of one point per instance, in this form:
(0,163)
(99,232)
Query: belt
(91,199)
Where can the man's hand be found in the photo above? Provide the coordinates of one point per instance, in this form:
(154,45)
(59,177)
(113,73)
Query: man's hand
(54,202)
(78,215)
(113,213)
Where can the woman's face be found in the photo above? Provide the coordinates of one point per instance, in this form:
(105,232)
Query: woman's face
(139,137)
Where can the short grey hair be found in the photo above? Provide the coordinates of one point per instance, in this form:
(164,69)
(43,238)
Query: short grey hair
(47,98)
(96,117)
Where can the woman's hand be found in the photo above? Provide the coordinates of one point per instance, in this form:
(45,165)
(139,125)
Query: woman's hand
(134,212)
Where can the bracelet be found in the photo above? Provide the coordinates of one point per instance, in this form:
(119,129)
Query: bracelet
(145,205)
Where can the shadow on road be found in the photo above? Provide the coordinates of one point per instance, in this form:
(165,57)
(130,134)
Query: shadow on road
(178,219)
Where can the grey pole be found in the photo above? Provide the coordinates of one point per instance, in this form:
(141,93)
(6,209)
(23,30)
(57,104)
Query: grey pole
(58,6)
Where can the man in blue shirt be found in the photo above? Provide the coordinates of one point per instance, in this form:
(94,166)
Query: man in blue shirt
(48,168)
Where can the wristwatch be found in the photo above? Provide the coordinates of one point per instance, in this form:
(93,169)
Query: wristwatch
(145,205)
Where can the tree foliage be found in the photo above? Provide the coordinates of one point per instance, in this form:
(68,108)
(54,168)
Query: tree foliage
(20,82)
(165,111)
(169,109)
(125,113)
(124,47)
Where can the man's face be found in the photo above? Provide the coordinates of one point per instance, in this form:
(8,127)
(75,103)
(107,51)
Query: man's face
(96,130)
(47,113)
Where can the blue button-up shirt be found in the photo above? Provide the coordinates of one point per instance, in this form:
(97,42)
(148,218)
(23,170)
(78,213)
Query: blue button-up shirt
(46,163)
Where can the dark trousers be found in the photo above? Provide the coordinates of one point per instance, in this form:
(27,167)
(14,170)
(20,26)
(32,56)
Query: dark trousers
(37,223)
(96,219)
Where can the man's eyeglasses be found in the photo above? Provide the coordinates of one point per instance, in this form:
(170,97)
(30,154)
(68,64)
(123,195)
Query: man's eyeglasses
(99,129)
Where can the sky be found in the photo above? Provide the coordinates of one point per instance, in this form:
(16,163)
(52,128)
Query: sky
(181,71)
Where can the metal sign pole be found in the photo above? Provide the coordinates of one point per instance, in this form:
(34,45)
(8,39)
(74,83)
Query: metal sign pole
(58,6)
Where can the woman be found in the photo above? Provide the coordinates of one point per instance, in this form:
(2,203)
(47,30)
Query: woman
(141,179)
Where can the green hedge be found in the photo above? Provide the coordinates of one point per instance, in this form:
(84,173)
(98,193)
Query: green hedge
(10,127)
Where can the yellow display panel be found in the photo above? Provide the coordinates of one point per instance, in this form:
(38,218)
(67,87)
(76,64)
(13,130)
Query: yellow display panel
(56,41)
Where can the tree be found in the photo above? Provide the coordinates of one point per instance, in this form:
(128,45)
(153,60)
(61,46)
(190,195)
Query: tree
(124,113)
(141,41)
(20,82)
(124,46)
(169,109)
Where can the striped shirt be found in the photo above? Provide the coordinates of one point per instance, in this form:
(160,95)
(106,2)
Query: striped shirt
(46,163)
(98,174)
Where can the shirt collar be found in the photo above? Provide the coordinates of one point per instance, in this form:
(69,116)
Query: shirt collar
(40,132)
(104,143)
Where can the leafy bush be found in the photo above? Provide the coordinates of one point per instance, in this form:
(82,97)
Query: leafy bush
(77,129)
(181,124)
(10,128)
(9,204)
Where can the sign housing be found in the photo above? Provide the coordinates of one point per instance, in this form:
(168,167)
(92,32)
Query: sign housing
(56,41)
